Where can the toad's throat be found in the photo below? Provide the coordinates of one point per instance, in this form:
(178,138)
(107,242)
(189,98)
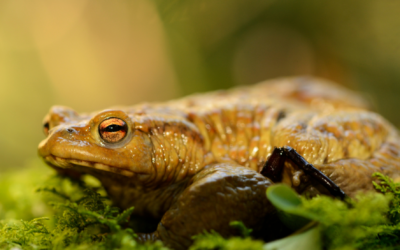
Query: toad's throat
(88,166)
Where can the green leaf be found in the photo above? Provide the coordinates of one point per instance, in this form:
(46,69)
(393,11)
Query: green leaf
(289,205)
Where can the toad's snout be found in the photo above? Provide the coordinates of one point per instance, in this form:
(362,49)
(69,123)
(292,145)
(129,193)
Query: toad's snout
(63,140)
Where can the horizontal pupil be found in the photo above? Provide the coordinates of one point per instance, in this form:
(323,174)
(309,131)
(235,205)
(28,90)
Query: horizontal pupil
(113,128)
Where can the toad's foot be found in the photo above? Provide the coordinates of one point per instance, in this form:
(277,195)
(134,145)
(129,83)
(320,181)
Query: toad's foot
(217,195)
(302,171)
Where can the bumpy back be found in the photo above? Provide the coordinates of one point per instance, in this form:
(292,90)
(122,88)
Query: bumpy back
(327,124)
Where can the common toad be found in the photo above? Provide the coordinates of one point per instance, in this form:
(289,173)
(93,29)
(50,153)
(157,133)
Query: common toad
(194,163)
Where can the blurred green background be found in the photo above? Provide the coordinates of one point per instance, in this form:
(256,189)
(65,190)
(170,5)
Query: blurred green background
(92,54)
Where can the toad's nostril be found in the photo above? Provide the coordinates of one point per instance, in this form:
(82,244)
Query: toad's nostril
(70,130)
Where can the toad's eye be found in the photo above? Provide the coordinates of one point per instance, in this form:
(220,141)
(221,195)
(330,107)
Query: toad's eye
(113,130)
(46,128)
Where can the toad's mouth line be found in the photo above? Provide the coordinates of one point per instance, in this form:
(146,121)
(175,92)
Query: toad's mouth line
(68,163)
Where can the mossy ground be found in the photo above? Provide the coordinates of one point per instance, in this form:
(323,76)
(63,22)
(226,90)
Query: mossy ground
(41,211)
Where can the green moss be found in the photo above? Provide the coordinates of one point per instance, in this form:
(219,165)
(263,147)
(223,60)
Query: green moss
(78,215)
(370,221)
(215,241)
(81,217)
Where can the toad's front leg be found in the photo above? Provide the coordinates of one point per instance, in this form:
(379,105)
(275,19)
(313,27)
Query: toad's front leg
(312,177)
(216,196)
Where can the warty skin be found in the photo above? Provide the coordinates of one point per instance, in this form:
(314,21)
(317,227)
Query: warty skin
(193,163)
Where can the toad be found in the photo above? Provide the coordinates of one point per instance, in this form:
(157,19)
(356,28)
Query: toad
(194,164)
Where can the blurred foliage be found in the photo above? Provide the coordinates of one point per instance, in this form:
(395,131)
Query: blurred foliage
(17,191)
(91,54)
